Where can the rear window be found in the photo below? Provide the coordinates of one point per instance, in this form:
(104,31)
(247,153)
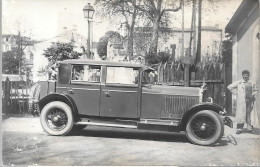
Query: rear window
(64,73)
(86,73)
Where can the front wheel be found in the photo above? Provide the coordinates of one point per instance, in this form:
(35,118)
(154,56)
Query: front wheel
(205,128)
(56,118)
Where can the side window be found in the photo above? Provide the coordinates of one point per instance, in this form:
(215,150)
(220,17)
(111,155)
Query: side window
(86,73)
(122,75)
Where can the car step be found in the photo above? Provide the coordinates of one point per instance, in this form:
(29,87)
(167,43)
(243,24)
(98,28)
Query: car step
(107,124)
(160,122)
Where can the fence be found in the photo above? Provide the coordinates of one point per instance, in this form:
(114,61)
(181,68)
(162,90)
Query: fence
(15,96)
(212,74)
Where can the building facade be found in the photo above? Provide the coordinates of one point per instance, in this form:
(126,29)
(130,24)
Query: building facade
(39,61)
(8,42)
(244,29)
(116,51)
(170,39)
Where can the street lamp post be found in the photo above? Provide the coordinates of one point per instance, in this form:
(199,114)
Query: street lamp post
(88,12)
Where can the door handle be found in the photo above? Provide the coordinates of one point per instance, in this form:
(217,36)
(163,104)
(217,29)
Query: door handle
(106,92)
(70,90)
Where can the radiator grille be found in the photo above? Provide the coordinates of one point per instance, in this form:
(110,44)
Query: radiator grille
(175,106)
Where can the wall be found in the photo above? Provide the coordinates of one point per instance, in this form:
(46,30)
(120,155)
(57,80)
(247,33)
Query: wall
(246,53)
(210,42)
(245,44)
(234,70)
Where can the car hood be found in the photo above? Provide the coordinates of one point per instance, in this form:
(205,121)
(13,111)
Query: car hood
(171,90)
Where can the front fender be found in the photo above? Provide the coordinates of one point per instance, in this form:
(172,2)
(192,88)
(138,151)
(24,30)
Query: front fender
(59,97)
(196,108)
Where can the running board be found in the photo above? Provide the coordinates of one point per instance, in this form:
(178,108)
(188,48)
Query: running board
(107,124)
(160,122)
(160,125)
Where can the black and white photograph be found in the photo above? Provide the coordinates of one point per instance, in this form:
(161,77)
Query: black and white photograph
(130,82)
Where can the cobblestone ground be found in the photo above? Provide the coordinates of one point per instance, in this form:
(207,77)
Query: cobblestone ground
(25,143)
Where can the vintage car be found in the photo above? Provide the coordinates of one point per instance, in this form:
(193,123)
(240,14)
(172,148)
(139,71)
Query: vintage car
(118,94)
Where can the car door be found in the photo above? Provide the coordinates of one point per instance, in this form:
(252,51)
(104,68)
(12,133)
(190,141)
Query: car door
(85,88)
(120,92)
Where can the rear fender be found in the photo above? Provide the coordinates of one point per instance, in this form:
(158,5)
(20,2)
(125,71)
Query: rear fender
(59,97)
(196,108)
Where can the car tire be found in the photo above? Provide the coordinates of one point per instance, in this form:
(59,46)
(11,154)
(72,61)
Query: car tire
(57,118)
(222,123)
(205,128)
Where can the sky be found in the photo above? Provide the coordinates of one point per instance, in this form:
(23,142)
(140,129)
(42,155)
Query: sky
(44,19)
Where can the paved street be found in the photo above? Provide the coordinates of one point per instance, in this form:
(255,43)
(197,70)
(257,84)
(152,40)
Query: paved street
(25,143)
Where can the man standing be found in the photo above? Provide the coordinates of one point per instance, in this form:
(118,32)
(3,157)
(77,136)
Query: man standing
(245,90)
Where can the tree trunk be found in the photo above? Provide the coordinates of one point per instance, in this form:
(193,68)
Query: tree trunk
(155,35)
(130,43)
(156,26)
(130,46)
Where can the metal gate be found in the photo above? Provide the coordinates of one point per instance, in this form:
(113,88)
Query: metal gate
(15,95)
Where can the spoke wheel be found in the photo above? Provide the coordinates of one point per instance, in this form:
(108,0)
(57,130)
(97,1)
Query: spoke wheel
(56,118)
(205,128)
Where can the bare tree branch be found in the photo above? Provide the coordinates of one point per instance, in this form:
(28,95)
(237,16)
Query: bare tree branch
(173,9)
(152,5)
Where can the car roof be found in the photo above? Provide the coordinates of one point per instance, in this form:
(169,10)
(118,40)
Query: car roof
(105,63)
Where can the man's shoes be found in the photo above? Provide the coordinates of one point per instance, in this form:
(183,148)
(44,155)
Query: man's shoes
(251,129)
(239,132)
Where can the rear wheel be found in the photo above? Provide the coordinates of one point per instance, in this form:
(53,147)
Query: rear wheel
(205,128)
(57,118)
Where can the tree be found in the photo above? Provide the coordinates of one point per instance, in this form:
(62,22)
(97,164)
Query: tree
(103,41)
(59,51)
(226,51)
(161,57)
(125,9)
(155,11)
(11,61)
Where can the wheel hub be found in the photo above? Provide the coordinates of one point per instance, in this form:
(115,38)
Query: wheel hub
(203,127)
(56,119)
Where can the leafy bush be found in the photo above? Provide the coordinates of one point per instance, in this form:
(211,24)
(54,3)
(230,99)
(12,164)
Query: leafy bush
(59,51)
(103,41)
(11,61)
(161,57)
